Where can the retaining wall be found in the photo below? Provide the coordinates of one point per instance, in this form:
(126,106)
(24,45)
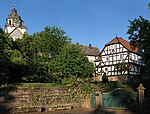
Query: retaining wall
(15,98)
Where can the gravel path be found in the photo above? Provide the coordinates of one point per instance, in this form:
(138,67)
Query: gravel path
(85,112)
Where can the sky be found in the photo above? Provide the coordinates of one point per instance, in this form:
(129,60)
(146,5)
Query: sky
(87,22)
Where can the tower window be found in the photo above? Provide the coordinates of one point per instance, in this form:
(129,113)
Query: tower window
(9,22)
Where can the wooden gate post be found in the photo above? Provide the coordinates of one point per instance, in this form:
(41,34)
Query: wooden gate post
(98,100)
(141,97)
(87,102)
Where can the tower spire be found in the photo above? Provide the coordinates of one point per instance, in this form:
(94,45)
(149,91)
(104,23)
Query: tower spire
(14,24)
(13,4)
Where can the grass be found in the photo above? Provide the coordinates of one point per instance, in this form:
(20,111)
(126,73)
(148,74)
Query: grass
(86,86)
(33,85)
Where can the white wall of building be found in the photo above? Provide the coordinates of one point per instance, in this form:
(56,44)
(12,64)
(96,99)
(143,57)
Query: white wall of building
(9,29)
(117,53)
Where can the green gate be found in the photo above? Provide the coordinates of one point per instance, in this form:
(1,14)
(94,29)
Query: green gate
(119,99)
(93,100)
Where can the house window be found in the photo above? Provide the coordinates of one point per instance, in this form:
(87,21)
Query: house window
(113,50)
(106,69)
(121,49)
(121,56)
(107,58)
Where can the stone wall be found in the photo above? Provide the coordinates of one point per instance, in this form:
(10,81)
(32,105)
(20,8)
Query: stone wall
(121,78)
(13,98)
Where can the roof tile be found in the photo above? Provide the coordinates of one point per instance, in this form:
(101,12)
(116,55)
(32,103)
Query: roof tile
(89,50)
(125,43)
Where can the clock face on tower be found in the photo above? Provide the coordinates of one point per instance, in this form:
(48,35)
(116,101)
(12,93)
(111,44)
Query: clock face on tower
(16,22)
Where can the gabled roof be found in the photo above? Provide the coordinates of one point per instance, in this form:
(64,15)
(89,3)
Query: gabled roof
(90,51)
(16,33)
(125,43)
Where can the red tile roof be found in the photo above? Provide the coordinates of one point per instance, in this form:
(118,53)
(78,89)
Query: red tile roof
(125,43)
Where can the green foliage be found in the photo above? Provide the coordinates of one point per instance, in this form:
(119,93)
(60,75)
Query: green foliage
(122,67)
(46,56)
(72,62)
(15,57)
(36,85)
(69,81)
(139,35)
(4,60)
(49,42)
(37,51)
(149,5)
(25,46)
(86,89)
(115,85)
(3,56)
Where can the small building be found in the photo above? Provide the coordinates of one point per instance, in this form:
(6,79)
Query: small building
(91,53)
(119,61)
(14,25)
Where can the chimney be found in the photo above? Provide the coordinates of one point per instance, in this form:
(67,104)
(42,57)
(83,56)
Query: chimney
(90,46)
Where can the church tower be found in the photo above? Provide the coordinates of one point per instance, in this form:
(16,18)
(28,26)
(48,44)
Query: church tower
(14,25)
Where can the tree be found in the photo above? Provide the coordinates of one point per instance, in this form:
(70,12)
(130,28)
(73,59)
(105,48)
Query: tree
(149,5)
(47,56)
(3,59)
(24,45)
(72,62)
(38,50)
(44,47)
(139,35)
(50,41)
(16,64)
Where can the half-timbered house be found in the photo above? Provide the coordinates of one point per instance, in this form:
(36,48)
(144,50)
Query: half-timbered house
(119,58)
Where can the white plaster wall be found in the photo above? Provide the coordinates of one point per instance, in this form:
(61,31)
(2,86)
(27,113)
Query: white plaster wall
(23,30)
(91,58)
(124,55)
(10,29)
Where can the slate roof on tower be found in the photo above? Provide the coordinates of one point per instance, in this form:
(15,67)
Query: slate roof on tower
(16,19)
(14,25)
